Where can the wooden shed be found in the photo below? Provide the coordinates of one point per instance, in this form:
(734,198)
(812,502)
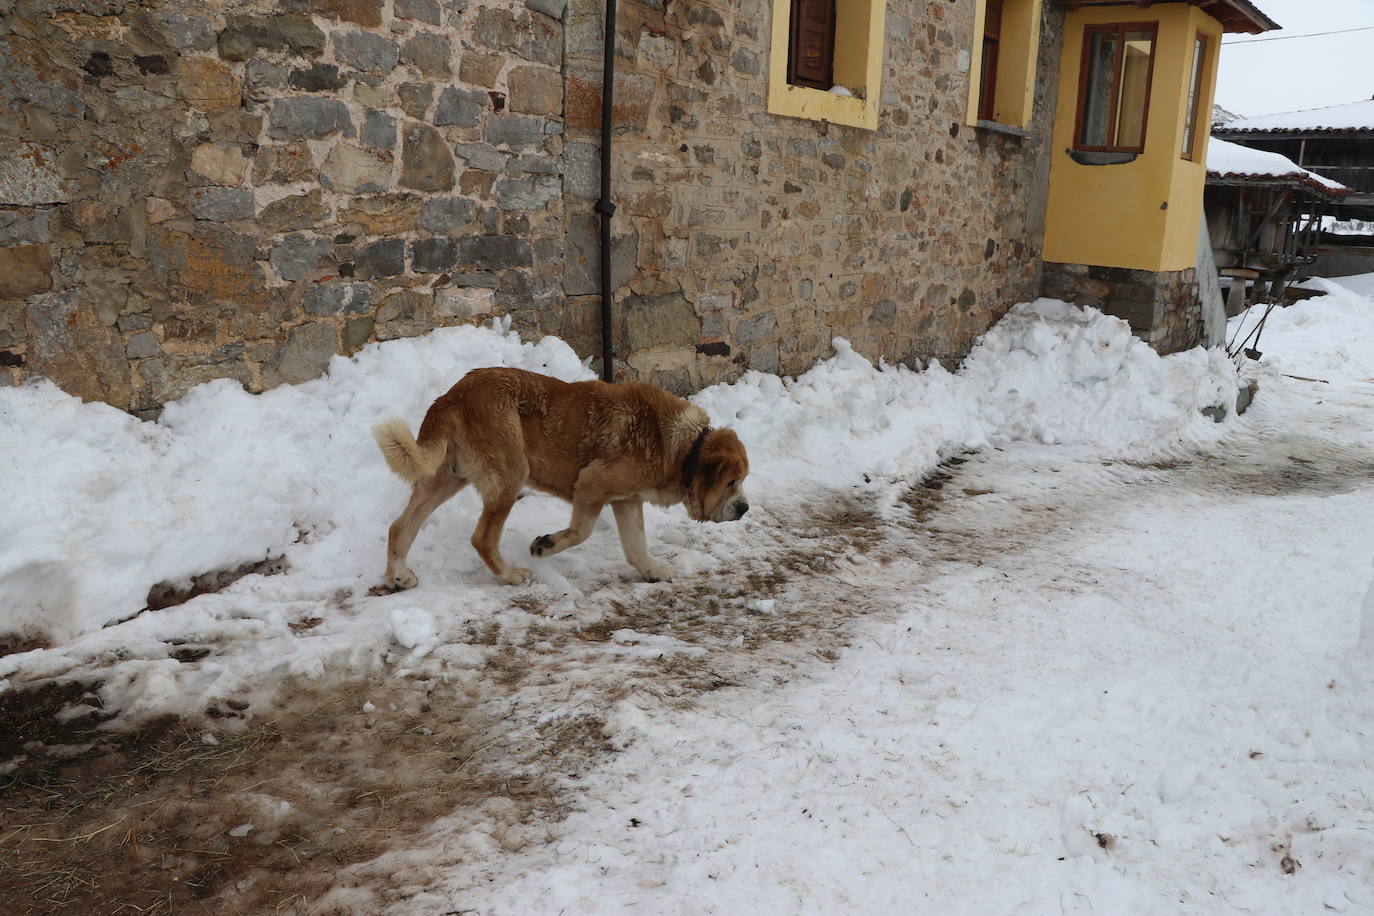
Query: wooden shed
(1264,216)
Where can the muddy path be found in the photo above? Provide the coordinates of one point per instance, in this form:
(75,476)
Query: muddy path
(266,812)
(289,808)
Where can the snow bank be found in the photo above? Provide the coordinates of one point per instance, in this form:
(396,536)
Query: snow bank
(1329,336)
(101,506)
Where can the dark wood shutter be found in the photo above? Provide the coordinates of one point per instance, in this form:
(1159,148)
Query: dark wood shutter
(992,45)
(811,55)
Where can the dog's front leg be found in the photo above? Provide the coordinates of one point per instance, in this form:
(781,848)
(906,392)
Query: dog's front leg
(586,508)
(629,519)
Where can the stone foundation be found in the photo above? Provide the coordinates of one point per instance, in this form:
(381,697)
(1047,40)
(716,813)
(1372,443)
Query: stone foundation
(1163,308)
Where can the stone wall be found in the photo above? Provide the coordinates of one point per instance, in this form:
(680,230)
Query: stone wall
(1164,309)
(749,240)
(242,190)
(1343,260)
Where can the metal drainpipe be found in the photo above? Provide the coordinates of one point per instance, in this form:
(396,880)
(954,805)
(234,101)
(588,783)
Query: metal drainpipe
(604,205)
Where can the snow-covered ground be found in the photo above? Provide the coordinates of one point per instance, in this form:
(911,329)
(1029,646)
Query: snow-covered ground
(1330,335)
(1107,660)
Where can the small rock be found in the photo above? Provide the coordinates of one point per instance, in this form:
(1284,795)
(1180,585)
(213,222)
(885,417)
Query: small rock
(366,52)
(496,252)
(459,107)
(433,255)
(441,214)
(296,256)
(379,130)
(426,164)
(353,170)
(308,118)
(24,271)
(317,77)
(428,52)
(386,258)
(222,204)
(420,10)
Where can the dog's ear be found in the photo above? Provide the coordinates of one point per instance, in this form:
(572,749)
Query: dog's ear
(710,472)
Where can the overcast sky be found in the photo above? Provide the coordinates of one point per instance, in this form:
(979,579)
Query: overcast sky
(1287,75)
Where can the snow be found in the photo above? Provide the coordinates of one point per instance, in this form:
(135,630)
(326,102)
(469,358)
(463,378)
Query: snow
(1152,696)
(1347,226)
(414,629)
(1122,667)
(102,506)
(1329,336)
(1350,116)
(1231,160)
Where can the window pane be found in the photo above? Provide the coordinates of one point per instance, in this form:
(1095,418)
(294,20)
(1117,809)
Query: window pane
(1135,87)
(1194,92)
(1097,104)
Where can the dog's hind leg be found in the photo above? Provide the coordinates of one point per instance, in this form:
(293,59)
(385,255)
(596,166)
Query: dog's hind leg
(629,519)
(426,496)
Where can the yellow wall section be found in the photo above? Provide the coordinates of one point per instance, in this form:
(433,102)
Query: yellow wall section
(1111,215)
(858,66)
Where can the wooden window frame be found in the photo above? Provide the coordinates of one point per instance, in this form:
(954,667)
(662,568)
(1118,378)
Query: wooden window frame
(794,78)
(1196,81)
(1119,29)
(992,41)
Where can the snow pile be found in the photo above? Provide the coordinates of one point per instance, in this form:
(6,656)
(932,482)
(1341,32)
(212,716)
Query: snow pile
(414,629)
(1329,336)
(1047,372)
(101,507)
(1058,374)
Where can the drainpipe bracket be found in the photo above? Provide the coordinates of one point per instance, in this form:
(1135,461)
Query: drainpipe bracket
(605,207)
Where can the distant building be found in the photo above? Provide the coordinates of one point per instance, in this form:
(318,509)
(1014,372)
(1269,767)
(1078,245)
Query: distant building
(1336,142)
(1264,218)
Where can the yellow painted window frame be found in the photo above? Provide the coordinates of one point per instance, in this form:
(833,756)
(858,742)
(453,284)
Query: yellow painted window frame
(1018,51)
(859,36)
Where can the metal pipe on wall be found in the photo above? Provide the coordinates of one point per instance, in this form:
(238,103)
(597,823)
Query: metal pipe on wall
(604,205)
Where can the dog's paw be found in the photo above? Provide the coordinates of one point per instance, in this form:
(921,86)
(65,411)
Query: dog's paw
(403,580)
(541,545)
(656,572)
(515,575)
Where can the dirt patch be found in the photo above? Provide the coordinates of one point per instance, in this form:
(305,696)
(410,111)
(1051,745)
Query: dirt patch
(158,820)
(170,594)
(262,815)
(14,643)
(43,716)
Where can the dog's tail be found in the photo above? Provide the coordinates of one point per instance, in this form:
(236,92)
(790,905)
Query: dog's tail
(410,460)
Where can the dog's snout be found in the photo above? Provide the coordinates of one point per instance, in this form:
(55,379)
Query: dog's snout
(741,507)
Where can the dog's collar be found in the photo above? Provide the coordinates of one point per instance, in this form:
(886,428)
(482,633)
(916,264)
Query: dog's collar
(689,464)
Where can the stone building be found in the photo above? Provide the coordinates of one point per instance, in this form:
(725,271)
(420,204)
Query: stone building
(245,189)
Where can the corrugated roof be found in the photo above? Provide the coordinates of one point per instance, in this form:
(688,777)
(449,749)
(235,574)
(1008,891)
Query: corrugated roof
(1350,117)
(1231,161)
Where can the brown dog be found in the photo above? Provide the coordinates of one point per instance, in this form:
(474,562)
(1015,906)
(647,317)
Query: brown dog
(591,443)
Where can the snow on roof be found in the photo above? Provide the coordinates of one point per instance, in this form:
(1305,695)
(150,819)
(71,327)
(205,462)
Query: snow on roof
(1231,160)
(1358,116)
